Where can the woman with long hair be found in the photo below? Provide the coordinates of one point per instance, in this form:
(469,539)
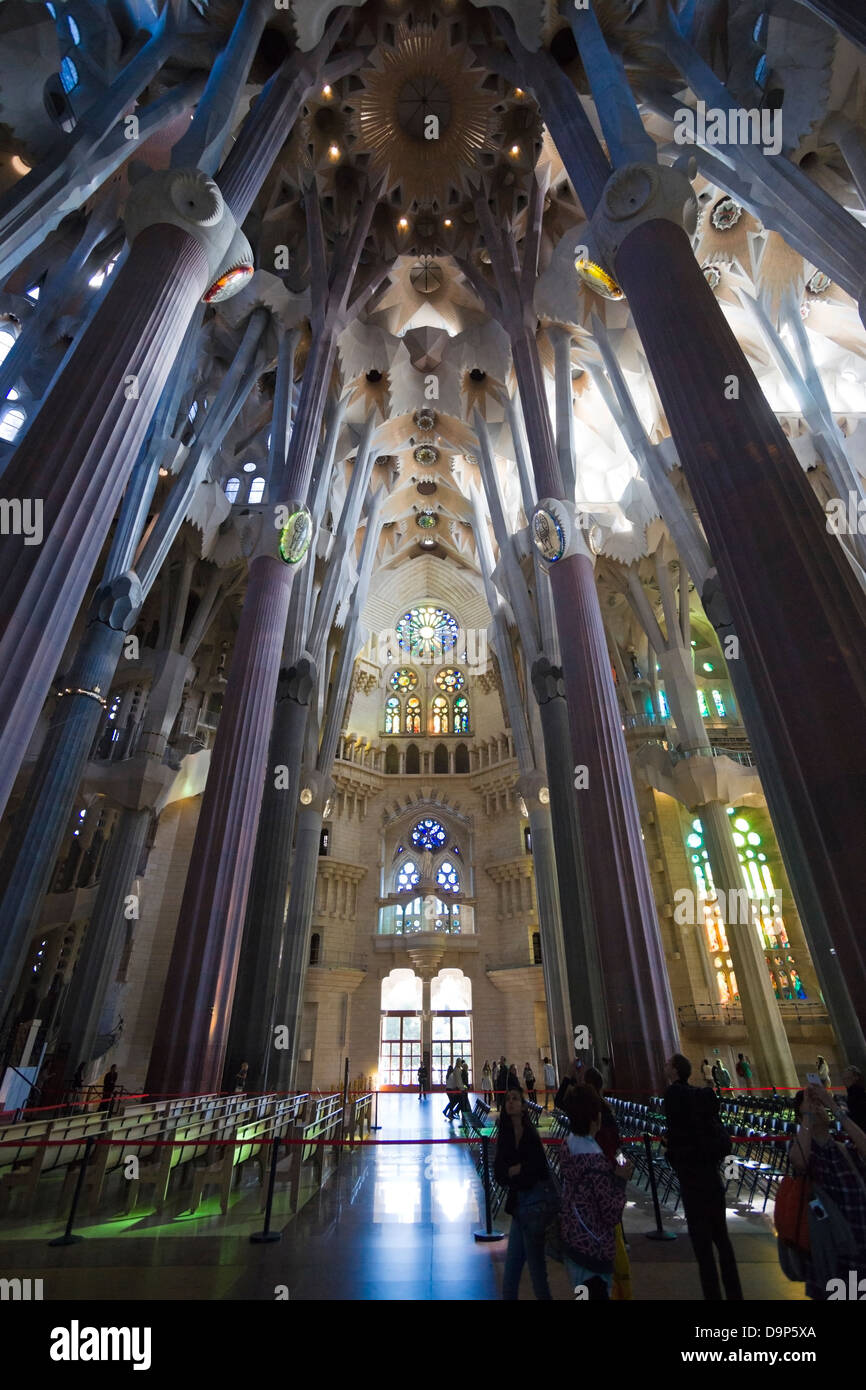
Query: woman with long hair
(521,1166)
(593,1198)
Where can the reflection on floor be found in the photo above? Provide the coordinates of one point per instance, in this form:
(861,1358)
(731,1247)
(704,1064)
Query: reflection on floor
(394,1222)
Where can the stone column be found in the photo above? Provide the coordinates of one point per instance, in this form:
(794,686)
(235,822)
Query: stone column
(194,1017)
(103,944)
(289,1002)
(36,837)
(537,799)
(76,458)
(251,1037)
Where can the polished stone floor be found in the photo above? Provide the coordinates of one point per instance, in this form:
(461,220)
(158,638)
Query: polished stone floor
(394,1222)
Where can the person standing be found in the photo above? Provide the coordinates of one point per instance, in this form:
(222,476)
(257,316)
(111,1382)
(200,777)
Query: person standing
(707,1071)
(501,1084)
(744,1071)
(487,1084)
(241,1078)
(549,1081)
(512,1082)
(593,1197)
(837,1171)
(423,1081)
(696,1145)
(529,1083)
(823,1071)
(521,1166)
(453,1088)
(109,1086)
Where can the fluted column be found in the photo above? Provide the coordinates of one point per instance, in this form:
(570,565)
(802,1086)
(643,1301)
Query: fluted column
(550,930)
(103,945)
(192,1029)
(37,834)
(251,1035)
(76,457)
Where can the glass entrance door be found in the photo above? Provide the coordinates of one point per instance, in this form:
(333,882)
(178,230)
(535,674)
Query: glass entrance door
(452,1037)
(400,1050)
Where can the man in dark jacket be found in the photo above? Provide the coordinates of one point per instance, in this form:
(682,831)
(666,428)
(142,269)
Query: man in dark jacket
(696,1145)
(500,1083)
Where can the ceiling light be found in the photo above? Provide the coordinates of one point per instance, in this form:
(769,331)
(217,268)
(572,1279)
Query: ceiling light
(333,153)
(448,222)
(327,93)
(708,666)
(163,472)
(403,224)
(519,92)
(514,151)
(19,165)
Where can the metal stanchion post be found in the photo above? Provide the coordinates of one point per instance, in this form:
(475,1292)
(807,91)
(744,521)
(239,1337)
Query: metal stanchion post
(267,1236)
(68,1238)
(659,1233)
(488,1234)
(376,1103)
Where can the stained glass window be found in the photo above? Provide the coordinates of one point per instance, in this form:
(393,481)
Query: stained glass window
(404,680)
(233,487)
(413,715)
(257,489)
(68,75)
(428,834)
(450,680)
(408,877)
(439,715)
(446,877)
(719,703)
(702,705)
(392,715)
(427,632)
(663,705)
(461,715)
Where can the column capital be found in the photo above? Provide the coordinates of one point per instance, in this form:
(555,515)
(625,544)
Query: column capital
(297,682)
(638,193)
(117,604)
(547,681)
(188,199)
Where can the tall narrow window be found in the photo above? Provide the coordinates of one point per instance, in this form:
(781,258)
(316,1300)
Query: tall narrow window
(440,758)
(461,715)
(315,948)
(413,716)
(10,423)
(233,487)
(7,342)
(257,489)
(74,31)
(719,703)
(663,705)
(439,715)
(392,758)
(392,715)
(68,75)
(413,758)
(702,704)
(447,877)
(408,876)
(461,758)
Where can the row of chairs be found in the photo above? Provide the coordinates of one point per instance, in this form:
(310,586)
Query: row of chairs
(160,1136)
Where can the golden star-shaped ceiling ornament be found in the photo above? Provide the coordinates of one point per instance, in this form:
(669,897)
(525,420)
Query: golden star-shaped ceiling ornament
(423,114)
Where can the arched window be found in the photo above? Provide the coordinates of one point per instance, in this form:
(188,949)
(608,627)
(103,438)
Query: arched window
(315,948)
(392,758)
(461,758)
(10,423)
(447,878)
(413,715)
(536,948)
(413,758)
(439,716)
(719,703)
(7,342)
(761,70)
(527,839)
(404,680)
(450,680)
(408,876)
(702,704)
(440,758)
(392,716)
(324,840)
(461,715)
(68,75)
(664,711)
(257,489)
(74,31)
(429,834)
(233,487)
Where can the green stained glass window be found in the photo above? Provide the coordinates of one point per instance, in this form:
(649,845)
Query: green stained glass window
(461,715)
(702,705)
